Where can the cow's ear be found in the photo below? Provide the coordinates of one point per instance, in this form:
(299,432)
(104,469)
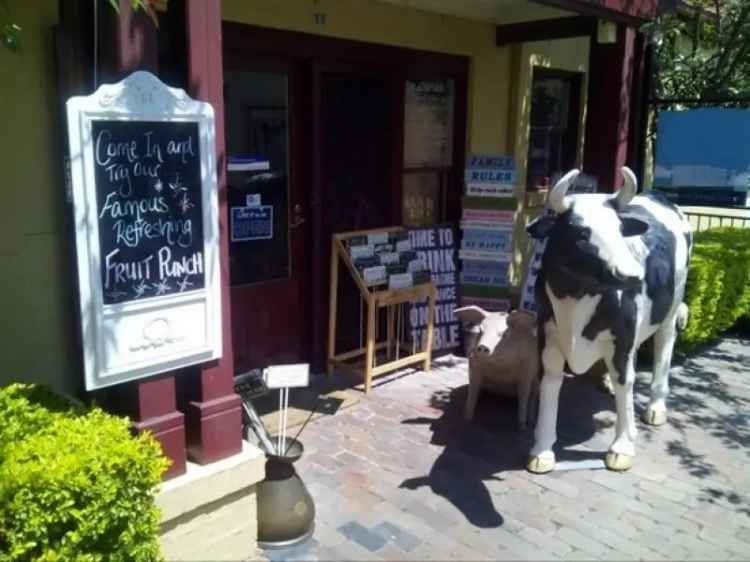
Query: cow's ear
(632,226)
(470,314)
(540,227)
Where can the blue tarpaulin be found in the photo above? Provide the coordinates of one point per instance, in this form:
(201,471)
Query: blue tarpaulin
(703,148)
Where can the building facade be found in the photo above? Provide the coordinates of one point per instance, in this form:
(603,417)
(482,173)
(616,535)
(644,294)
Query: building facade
(358,113)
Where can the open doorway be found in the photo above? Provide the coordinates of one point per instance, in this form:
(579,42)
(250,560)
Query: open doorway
(356,152)
(357,145)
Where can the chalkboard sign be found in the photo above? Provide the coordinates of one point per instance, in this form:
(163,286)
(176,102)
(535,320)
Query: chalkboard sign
(146,218)
(149,208)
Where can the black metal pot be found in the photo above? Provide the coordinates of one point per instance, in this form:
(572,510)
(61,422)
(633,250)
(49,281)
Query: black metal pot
(286,511)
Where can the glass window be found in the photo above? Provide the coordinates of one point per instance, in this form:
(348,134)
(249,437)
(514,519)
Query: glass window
(421,194)
(257,137)
(428,149)
(553,135)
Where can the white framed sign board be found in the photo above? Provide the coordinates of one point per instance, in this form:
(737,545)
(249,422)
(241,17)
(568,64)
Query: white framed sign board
(143,173)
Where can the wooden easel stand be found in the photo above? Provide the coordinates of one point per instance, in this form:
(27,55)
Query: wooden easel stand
(374,300)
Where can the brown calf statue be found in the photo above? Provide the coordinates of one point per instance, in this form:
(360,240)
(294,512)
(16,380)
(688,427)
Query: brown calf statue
(503,358)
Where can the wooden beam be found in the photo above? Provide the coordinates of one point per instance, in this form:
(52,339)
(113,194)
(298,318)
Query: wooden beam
(631,12)
(544,30)
(420,357)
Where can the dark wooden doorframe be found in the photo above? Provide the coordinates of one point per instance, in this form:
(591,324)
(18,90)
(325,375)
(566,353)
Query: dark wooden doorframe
(397,65)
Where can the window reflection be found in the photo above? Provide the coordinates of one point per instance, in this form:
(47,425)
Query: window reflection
(257,132)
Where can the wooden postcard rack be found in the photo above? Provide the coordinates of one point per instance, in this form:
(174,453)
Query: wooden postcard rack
(398,353)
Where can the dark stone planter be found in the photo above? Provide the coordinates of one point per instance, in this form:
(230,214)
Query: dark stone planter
(286,511)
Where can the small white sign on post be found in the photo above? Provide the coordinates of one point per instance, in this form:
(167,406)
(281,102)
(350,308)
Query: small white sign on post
(285,377)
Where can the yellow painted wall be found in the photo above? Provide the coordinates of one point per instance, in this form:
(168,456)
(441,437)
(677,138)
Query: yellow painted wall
(378,22)
(36,331)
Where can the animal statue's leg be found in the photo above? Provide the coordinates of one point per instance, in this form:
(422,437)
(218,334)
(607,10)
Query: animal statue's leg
(621,452)
(475,384)
(524,394)
(542,458)
(664,338)
(534,399)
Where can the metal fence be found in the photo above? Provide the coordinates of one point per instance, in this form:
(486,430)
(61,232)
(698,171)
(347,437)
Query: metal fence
(704,221)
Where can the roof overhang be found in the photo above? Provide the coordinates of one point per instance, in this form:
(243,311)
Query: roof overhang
(633,12)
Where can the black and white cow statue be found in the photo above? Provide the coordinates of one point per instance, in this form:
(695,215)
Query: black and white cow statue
(613,274)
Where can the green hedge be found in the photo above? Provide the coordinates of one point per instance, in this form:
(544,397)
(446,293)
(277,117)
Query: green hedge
(75,485)
(718,288)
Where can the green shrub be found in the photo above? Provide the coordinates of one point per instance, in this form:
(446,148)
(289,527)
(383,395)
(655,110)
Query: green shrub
(718,288)
(75,485)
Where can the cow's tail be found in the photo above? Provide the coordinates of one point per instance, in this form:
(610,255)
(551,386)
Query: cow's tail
(682,316)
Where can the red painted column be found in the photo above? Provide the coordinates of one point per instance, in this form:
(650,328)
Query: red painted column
(213,410)
(129,43)
(609,107)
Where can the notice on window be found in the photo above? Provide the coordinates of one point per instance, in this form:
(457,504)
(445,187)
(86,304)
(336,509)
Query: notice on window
(252,223)
(428,123)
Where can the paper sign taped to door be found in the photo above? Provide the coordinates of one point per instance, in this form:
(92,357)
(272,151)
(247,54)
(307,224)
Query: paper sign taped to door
(251,223)
(287,376)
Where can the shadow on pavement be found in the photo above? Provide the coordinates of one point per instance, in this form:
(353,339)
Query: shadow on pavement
(709,414)
(480,451)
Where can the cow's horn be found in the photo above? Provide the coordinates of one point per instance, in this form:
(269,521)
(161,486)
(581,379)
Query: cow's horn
(557,201)
(628,189)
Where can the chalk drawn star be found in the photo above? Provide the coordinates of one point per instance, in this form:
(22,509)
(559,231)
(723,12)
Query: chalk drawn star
(158,186)
(141,289)
(185,204)
(184,284)
(161,287)
(176,186)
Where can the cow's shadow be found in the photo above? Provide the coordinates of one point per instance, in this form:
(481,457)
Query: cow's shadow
(478,452)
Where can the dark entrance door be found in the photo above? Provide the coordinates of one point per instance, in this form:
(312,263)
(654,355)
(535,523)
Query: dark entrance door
(356,168)
(268,251)
(356,152)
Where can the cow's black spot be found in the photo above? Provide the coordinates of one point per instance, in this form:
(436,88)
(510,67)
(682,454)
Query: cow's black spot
(573,266)
(620,317)
(660,264)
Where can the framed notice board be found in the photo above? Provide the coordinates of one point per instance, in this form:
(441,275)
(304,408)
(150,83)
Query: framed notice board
(143,171)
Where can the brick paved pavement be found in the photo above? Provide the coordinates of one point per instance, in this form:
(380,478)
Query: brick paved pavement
(401,476)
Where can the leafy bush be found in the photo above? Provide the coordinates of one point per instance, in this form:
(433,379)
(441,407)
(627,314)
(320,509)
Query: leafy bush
(718,288)
(75,485)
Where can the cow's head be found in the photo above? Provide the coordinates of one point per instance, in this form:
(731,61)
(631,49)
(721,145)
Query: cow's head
(586,235)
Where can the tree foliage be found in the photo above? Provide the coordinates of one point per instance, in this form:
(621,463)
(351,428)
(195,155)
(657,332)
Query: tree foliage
(702,51)
(11,32)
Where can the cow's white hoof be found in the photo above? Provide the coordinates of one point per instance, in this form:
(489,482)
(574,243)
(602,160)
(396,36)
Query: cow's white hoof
(655,417)
(540,465)
(618,461)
